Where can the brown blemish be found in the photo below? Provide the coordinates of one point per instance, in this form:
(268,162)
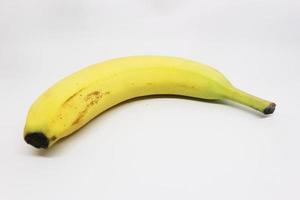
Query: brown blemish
(53,138)
(72,96)
(91,99)
(95,93)
(186,86)
(80,116)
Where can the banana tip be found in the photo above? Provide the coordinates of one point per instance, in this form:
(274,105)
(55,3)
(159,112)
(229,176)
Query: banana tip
(270,109)
(37,139)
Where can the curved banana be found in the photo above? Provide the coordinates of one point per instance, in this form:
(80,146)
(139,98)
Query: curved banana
(78,98)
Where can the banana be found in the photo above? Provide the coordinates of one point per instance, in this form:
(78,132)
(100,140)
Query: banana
(75,100)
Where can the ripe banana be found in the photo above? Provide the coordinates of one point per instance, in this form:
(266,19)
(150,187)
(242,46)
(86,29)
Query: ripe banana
(74,101)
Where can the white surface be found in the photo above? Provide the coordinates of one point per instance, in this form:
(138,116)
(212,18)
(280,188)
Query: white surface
(154,148)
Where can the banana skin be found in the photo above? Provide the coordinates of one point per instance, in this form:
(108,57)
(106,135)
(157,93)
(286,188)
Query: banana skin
(75,100)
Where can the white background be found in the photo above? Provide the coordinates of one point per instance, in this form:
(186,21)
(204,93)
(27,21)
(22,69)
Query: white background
(162,148)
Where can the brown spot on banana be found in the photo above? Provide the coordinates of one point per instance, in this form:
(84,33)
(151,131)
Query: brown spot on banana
(53,138)
(80,116)
(95,93)
(91,100)
(72,96)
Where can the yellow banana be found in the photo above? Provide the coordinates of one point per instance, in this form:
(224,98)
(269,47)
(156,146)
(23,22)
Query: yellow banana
(78,98)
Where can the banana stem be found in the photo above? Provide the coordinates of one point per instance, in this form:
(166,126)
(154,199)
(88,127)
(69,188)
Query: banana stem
(244,98)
